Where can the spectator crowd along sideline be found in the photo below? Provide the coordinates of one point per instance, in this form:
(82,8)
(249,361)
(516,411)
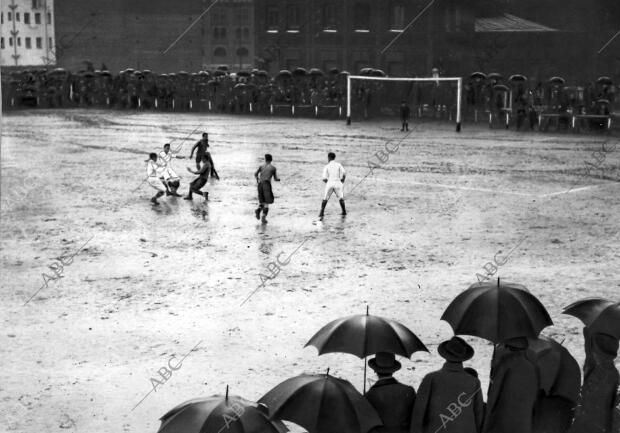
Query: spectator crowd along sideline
(501,101)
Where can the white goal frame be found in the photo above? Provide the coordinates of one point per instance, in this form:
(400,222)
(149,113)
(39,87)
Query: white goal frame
(459,87)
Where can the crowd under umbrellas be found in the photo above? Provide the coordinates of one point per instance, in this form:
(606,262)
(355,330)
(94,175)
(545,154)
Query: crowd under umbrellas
(535,383)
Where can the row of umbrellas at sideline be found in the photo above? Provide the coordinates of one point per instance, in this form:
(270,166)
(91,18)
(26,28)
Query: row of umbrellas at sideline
(327,404)
(495,76)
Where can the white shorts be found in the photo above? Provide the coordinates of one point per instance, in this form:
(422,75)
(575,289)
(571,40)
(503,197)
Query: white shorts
(156,183)
(169,173)
(335,188)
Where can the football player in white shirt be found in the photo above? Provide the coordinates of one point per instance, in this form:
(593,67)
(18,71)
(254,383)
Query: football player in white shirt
(333,176)
(153,174)
(171,178)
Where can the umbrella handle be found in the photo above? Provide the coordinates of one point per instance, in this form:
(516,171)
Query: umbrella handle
(364,376)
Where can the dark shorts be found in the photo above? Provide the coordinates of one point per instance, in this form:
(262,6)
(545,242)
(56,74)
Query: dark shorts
(265,195)
(195,185)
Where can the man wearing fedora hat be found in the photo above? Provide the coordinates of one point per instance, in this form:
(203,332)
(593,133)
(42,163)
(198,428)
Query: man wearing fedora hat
(392,400)
(449,399)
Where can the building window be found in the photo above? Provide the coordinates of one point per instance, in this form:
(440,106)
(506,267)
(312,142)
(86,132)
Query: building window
(246,34)
(397,19)
(37,4)
(219,33)
(219,52)
(2,43)
(238,33)
(49,42)
(49,18)
(453,19)
(9,16)
(11,42)
(242,16)
(361,16)
(16,16)
(292,17)
(219,18)
(28,43)
(242,52)
(39,43)
(19,41)
(37,18)
(273,18)
(26,18)
(329,17)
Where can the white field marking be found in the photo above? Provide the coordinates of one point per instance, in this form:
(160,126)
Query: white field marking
(497,191)
(441,185)
(570,190)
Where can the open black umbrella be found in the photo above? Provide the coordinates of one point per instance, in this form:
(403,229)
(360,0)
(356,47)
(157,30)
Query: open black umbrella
(316,72)
(599,314)
(57,71)
(300,72)
(604,80)
(517,77)
(559,372)
(334,71)
(363,335)
(321,403)
(478,75)
(220,414)
(377,73)
(557,80)
(494,76)
(501,88)
(497,312)
(284,73)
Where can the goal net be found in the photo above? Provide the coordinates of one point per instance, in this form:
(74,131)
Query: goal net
(437,98)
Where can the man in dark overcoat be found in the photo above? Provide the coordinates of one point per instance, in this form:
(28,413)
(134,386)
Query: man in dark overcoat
(392,400)
(450,399)
(595,409)
(513,391)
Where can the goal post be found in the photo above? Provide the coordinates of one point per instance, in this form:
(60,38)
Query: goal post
(457,80)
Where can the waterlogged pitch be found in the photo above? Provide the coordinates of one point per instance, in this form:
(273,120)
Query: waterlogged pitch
(434,212)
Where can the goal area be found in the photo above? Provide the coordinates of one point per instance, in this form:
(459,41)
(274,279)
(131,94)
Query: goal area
(427,97)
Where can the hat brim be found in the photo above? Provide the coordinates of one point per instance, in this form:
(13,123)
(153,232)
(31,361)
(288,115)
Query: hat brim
(451,356)
(395,367)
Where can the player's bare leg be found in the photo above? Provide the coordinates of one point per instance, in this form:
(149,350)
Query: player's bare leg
(265,212)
